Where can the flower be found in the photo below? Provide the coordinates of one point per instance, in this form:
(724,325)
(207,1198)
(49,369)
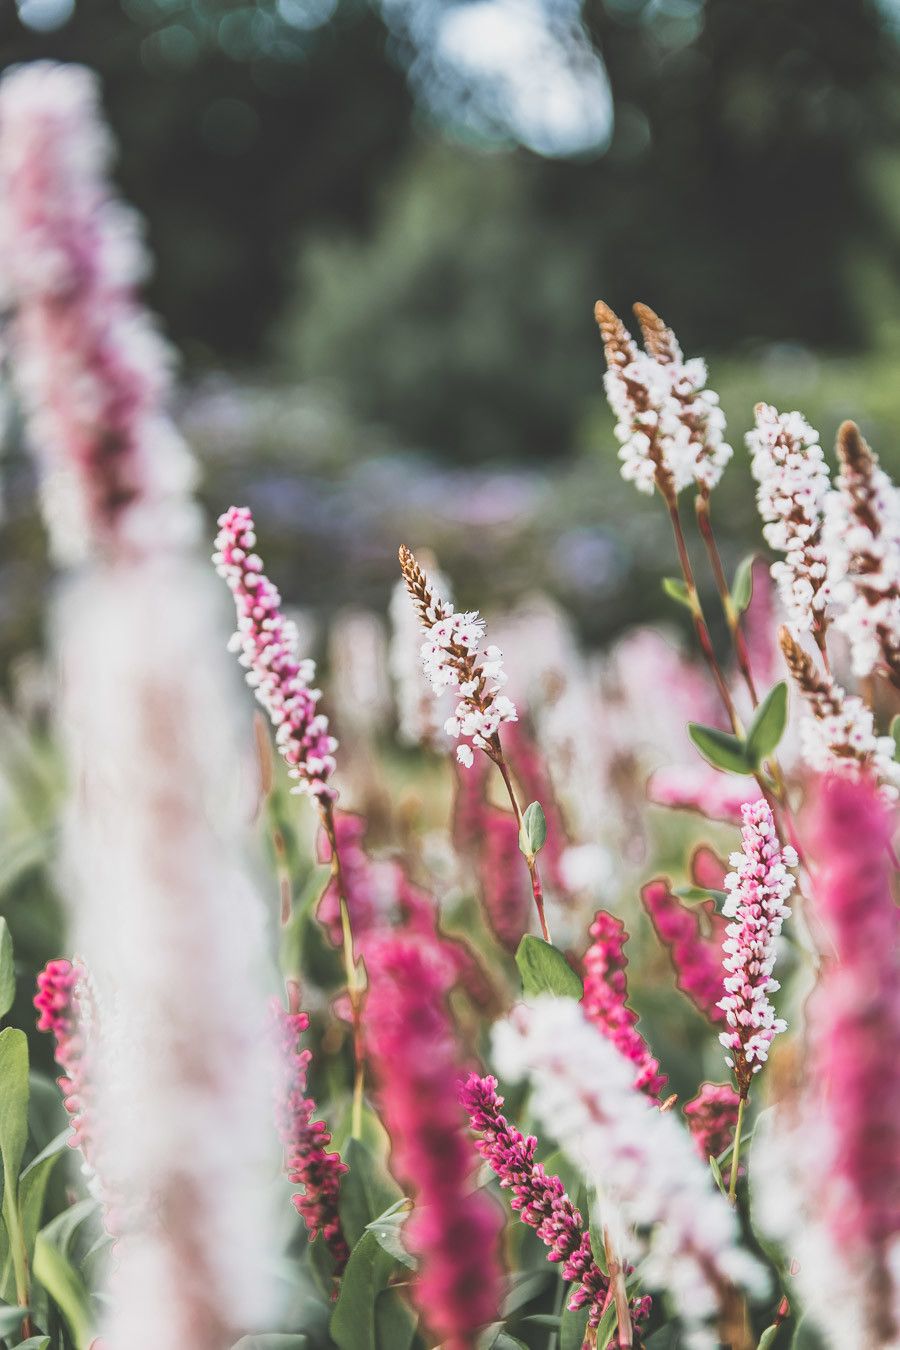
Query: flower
(697,959)
(712,1119)
(59,1000)
(757,891)
(420,715)
(789,465)
(638,389)
(698,437)
(862,540)
(92,372)
(840,735)
(267,643)
(308,1161)
(539,1198)
(453,661)
(453,1229)
(649,1178)
(605,1000)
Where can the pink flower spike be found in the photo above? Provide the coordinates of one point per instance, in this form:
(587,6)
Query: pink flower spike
(757,893)
(453,1229)
(58,1002)
(308,1162)
(697,959)
(605,1000)
(267,643)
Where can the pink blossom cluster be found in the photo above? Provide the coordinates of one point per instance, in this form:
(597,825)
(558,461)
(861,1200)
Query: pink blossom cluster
(758,889)
(308,1161)
(58,1001)
(789,465)
(712,1118)
(605,1000)
(91,369)
(697,959)
(540,1199)
(267,643)
(453,1229)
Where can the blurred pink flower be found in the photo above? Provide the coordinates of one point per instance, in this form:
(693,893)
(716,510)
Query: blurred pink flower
(697,959)
(605,999)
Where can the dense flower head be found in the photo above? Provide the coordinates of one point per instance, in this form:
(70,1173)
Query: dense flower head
(453,661)
(758,889)
(605,999)
(308,1161)
(267,644)
(699,433)
(59,1002)
(651,1184)
(789,465)
(539,1198)
(696,958)
(420,714)
(862,540)
(839,736)
(712,1119)
(92,372)
(453,1229)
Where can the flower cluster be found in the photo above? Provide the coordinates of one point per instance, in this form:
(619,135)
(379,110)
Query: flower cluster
(59,1002)
(712,1118)
(757,891)
(789,465)
(839,736)
(605,999)
(267,643)
(862,540)
(697,960)
(453,661)
(699,440)
(540,1199)
(453,1230)
(308,1161)
(92,372)
(641,1160)
(420,715)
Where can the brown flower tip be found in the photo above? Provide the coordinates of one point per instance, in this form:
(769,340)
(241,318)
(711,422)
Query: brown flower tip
(416,582)
(617,341)
(854,453)
(659,339)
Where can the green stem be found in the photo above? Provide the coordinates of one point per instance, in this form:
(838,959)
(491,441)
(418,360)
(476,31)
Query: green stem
(534,876)
(354,992)
(13,1221)
(736,1151)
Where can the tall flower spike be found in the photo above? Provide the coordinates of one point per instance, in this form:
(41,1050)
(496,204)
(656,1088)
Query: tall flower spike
(453,661)
(420,717)
(638,389)
(308,1161)
(758,889)
(540,1199)
(91,369)
(641,1160)
(840,735)
(267,643)
(790,468)
(862,539)
(59,1002)
(698,435)
(453,1229)
(605,1000)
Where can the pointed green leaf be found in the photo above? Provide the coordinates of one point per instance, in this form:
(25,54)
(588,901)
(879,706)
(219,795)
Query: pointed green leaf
(717,1175)
(720,748)
(33,1343)
(695,894)
(7,969)
(767,727)
(388,1230)
(768,1337)
(676,590)
(573,1328)
(742,586)
(366,1274)
(533,834)
(13,1102)
(607,1325)
(544,970)
(368,1190)
(66,1287)
(395,1321)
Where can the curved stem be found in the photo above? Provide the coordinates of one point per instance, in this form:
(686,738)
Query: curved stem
(354,992)
(537,889)
(732,617)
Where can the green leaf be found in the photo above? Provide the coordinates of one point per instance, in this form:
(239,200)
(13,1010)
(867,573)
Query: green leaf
(768,1336)
(533,834)
(573,1328)
(388,1230)
(33,1343)
(66,1287)
(32,1190)
(368,1191)
(676,590)
(395,1321)
(11,1320)
(606,1326)
(717,1175)
(544,970)
(695,894)
(767,727)
(366,1275)
(720,748)
(7,969)
(742,586)
(274,1340)
(895,732)
(13,1102)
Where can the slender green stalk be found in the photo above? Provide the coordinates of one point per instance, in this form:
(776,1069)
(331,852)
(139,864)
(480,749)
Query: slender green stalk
(736,1151)
(354,990)
(537,889)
